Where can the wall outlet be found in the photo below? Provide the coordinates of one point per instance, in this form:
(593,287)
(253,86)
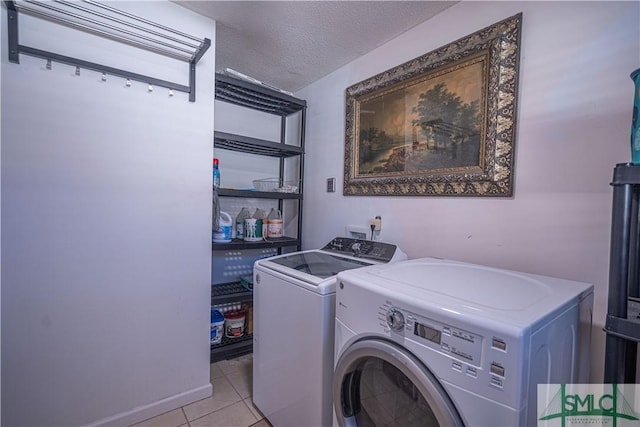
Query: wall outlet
(356,232)
(376,223)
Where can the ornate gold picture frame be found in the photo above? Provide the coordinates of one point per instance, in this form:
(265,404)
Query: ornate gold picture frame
(442,124)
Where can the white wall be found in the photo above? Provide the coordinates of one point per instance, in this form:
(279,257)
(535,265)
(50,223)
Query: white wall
(574,117)
(106,222)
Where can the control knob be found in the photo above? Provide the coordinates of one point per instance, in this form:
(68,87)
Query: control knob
(395,319)
(356,248)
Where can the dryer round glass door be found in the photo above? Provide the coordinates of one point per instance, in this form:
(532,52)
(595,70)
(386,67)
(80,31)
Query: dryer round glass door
(378,383)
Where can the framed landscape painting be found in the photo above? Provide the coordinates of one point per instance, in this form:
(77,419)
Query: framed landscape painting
(441,124)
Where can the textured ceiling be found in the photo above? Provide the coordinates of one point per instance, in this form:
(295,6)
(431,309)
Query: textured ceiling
(290,44)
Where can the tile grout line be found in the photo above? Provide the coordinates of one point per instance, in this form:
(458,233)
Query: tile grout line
(209,413)
(224,374)
(243,400)
(185,416)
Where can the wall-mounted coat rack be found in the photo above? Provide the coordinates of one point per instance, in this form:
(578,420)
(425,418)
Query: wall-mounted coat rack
(114,24)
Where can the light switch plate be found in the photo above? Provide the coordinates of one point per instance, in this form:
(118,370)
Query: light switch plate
(331,185)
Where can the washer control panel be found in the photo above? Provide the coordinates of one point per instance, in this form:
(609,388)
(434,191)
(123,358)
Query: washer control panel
(377,251)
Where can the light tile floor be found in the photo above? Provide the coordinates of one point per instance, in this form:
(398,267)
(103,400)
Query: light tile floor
(230,405)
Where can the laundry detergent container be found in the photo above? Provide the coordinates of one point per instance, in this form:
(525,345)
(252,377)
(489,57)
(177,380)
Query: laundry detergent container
(217,326)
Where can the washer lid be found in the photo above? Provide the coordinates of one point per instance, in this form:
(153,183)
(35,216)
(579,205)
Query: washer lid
(315,270)
(318,264)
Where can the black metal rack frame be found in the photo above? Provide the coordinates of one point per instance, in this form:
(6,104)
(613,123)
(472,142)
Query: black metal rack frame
(114,24)
(253,96)
(250,145)
(230,292)
(237,244)
(261,98)
(256,97)
(228,192)
(230,347)
(623,312)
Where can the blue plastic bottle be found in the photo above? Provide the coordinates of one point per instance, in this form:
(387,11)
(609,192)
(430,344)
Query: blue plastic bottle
(216,174)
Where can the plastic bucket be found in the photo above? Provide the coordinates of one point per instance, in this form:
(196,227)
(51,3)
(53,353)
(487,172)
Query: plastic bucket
(217,326)
(224,233)
(234,323)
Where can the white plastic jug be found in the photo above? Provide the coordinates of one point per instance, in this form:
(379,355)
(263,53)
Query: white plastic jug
(224,233)
(275,225)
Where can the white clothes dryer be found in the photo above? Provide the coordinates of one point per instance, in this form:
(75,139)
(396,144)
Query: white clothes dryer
(439,342)
(294,323)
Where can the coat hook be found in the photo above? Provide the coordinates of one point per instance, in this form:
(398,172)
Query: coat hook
(104,77)
(48,64)
(150,89)
(77,71)
(128,83)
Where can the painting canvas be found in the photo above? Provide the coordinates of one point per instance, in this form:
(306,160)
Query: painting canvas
(430,124)
(442,124)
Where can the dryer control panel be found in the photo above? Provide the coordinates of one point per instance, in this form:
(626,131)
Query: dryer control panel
(459,343)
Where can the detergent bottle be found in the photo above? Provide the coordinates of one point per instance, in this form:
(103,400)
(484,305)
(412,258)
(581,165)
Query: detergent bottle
(244,214)
(275,225)
(224,233)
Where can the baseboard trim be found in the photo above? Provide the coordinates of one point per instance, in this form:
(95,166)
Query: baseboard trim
(144,412)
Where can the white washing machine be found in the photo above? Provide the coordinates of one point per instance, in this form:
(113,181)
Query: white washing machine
(439,342)
(294,315)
